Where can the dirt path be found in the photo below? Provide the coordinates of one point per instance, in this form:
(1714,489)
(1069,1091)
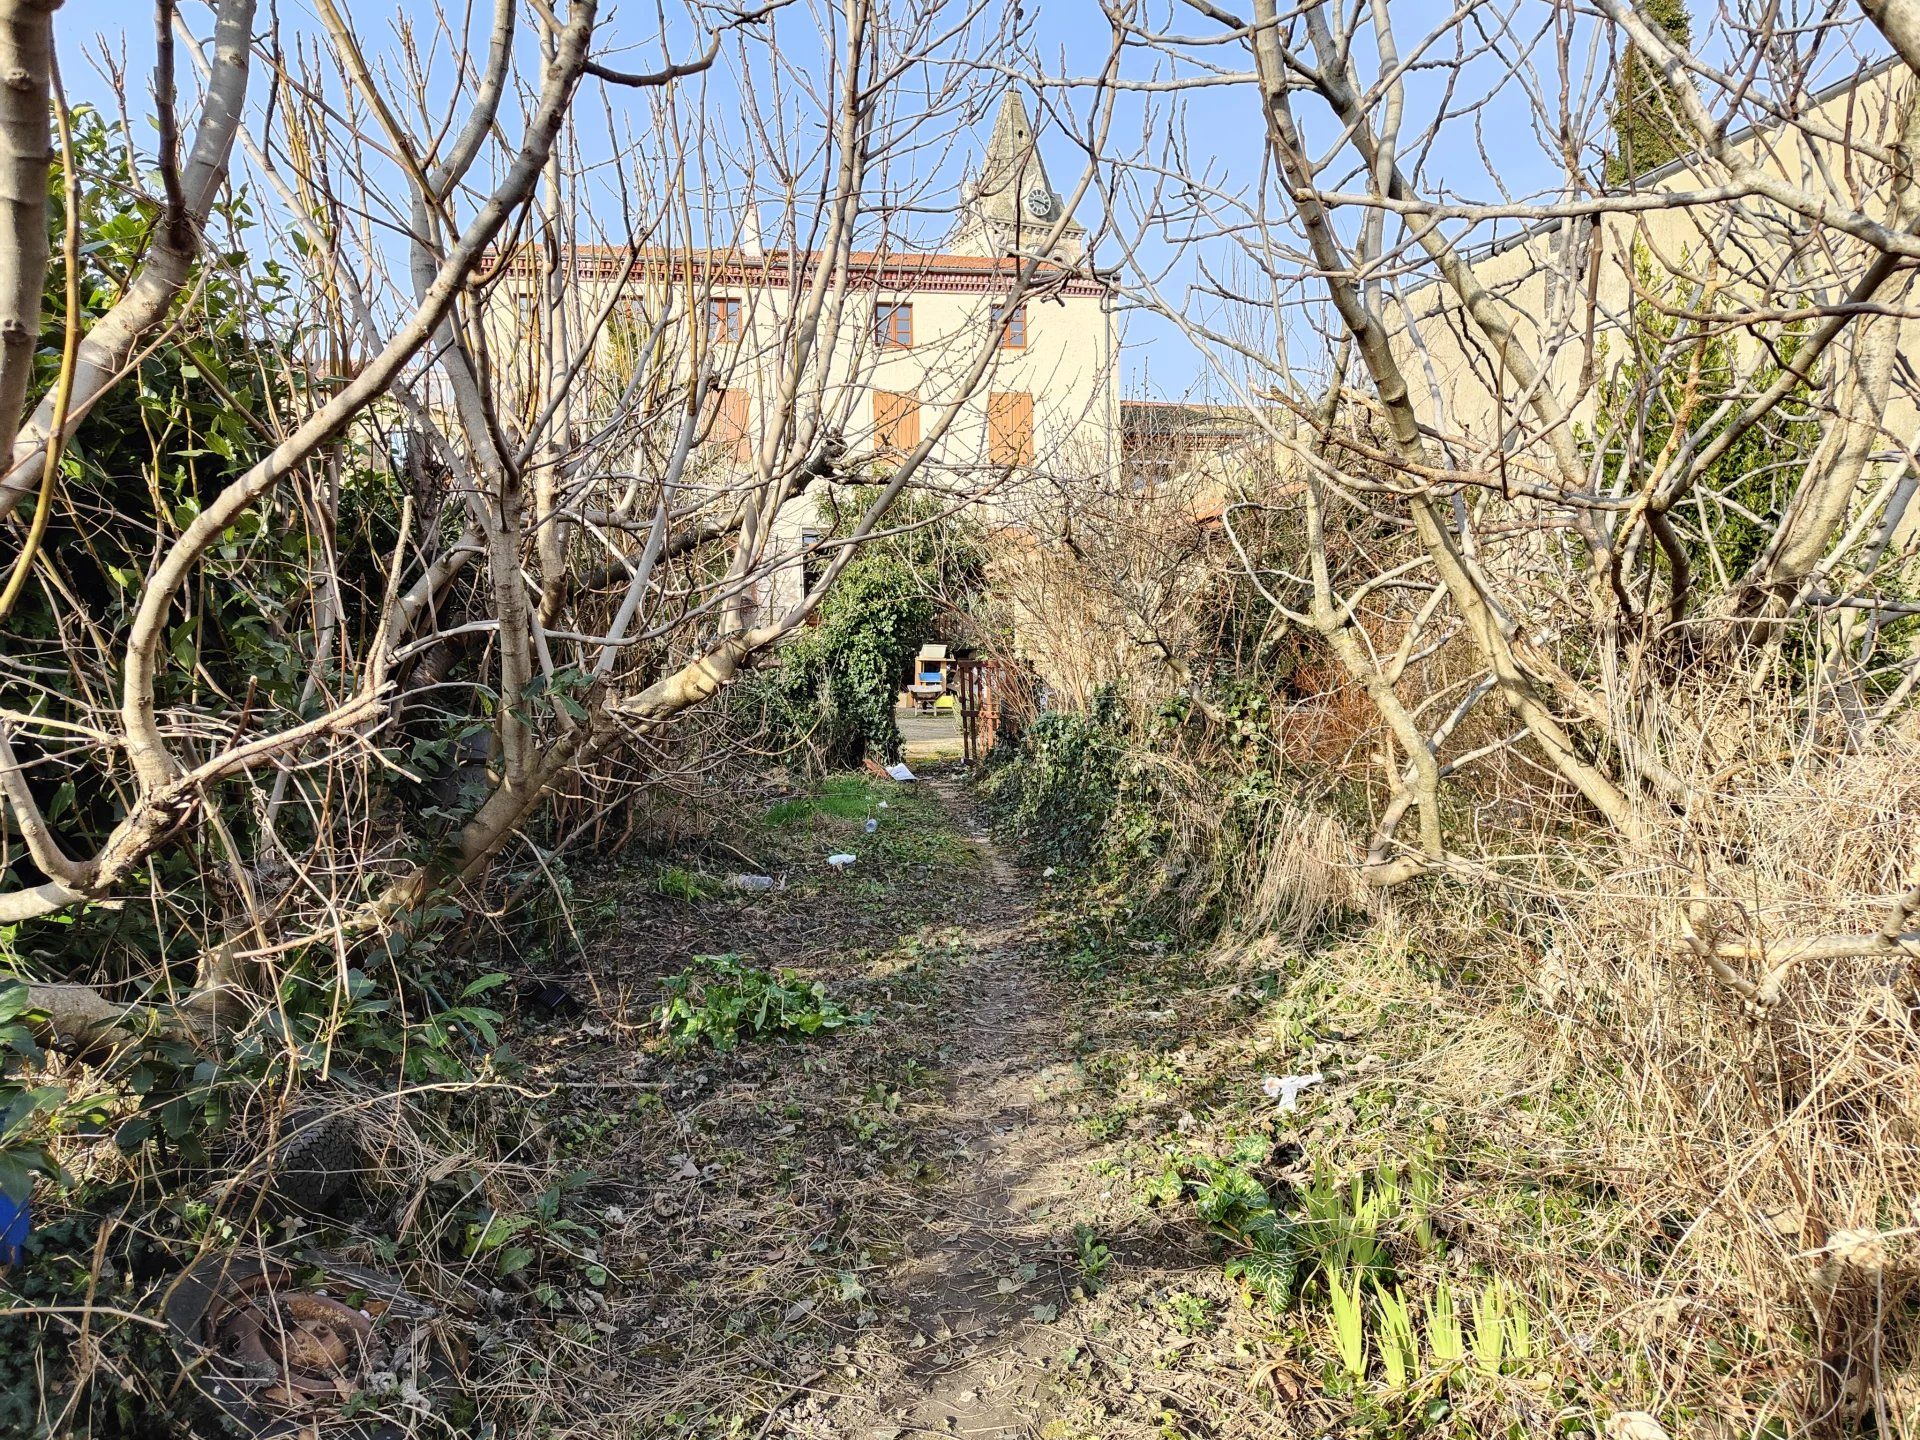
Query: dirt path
(983,1293)
(916,1224)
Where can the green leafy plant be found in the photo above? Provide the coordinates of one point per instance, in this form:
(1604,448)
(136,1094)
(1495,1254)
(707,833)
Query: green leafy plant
(1235,1205)
(1399,1352)
(510,1242)
(1347,1225)
(32,1113)
(1226,1192)
(82,1261)
(721,999)
(21,1103)
(1189,1313)
(1446,1342)
(453,1040)
(1090,1254)
(1502,1331)
(1270,1267)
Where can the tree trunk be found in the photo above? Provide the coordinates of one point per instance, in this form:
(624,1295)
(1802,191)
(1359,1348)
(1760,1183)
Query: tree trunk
(26,158)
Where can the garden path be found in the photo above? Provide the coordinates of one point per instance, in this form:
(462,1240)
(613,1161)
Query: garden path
(911,1224)
(988,1282)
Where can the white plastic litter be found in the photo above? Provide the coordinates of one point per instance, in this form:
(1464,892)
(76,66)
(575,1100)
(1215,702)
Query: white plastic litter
(872,825)
(1048,873)
(750,882)
(883,804)
(901,772)
(1286,1088)
(839,862)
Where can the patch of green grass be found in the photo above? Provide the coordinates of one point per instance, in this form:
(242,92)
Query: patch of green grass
(679,883)
(912,832)
(845,797)
(853,797)
(787,812)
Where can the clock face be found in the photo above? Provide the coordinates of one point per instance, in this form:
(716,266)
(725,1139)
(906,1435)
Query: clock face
(1039,204)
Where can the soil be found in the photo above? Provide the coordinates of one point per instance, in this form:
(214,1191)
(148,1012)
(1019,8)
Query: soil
(984,1279)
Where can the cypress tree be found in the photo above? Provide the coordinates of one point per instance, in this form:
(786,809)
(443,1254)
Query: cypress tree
(1647,131)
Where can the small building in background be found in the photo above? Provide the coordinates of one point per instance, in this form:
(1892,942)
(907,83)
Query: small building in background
(1161,440)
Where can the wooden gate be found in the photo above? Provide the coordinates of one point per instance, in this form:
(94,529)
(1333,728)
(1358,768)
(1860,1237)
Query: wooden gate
(993,699)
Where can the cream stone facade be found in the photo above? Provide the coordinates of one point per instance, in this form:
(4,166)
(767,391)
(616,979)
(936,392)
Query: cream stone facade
(1567,286)
(911,330)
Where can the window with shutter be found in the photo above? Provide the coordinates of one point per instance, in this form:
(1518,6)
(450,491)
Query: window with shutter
(896,422)
(723,321)
(893,326)
(1010,427)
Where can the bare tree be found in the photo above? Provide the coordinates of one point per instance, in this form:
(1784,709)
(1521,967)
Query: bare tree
(1494,419)
(520,510)
(1601,490)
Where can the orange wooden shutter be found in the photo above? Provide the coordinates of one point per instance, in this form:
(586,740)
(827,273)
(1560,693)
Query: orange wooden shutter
(1010,427)
(896,421)
(730,426)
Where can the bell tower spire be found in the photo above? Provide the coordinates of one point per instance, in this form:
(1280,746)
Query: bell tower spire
(1009,204)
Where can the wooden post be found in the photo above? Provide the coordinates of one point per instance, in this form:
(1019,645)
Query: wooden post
(967,684)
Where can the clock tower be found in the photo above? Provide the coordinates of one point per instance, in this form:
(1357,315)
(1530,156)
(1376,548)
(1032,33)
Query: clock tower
(1008,204)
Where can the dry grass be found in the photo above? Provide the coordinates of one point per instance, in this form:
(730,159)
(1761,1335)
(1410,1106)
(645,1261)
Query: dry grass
(1740,1187)
(1714,1204)
(1773,1134)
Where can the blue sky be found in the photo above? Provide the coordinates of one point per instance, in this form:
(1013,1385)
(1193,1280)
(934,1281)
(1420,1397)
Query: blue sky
(1213,133)
(1495,146)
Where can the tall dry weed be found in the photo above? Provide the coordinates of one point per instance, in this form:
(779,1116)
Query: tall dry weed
(1754,1170)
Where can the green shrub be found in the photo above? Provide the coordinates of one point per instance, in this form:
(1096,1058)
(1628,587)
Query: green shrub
(833,694)
(1646,134)
(1339,1232)
(1056,794)
(835,689)
(720,999)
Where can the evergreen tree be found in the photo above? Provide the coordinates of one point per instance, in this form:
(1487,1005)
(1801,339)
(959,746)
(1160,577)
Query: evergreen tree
(1647,132)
